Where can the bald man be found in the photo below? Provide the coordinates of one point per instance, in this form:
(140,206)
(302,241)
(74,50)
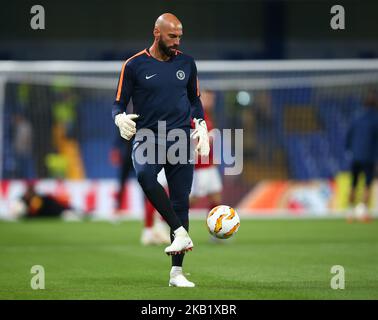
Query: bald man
(162,83)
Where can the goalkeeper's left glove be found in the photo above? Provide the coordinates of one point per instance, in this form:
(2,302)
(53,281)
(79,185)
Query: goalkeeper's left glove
(126,124)
(200,132)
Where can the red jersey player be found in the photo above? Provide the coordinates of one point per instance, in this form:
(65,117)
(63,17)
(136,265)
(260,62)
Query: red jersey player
(207,181)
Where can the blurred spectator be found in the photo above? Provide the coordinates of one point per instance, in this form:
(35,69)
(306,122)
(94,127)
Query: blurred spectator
(207,181)
(65,109)
(362,146)
(65,128)
(22,147)
(57,165)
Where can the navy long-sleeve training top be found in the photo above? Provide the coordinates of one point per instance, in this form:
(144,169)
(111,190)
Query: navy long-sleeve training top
(160,90)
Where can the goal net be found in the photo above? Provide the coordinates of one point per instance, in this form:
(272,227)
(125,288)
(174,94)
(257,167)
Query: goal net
(56,128)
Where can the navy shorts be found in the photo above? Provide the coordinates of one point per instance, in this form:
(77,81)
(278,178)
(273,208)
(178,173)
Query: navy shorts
(179,176)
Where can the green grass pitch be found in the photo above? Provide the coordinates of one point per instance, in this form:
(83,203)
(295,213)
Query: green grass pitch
(267,259)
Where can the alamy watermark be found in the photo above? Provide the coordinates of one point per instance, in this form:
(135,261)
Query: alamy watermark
(176,147)
(338,19)
(37,282)
(37,21)
(338,280)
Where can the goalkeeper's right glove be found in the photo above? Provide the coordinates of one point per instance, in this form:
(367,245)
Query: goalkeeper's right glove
(126,125)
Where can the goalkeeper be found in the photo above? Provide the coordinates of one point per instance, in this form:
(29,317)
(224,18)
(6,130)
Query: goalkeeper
(162,83)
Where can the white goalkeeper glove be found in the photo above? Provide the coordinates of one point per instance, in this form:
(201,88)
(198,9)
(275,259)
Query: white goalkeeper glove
(126,125)
(200,133)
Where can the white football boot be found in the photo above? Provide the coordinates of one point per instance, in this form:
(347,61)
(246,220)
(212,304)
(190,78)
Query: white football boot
(177,279)
(181,243)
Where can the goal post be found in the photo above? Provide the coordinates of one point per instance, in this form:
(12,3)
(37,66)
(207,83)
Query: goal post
(55,123)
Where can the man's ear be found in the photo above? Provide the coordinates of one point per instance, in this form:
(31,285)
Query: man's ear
(156,32)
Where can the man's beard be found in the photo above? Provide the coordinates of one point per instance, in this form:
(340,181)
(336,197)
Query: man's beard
(167,50)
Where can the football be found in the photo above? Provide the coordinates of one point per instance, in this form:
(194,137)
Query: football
(223,222)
